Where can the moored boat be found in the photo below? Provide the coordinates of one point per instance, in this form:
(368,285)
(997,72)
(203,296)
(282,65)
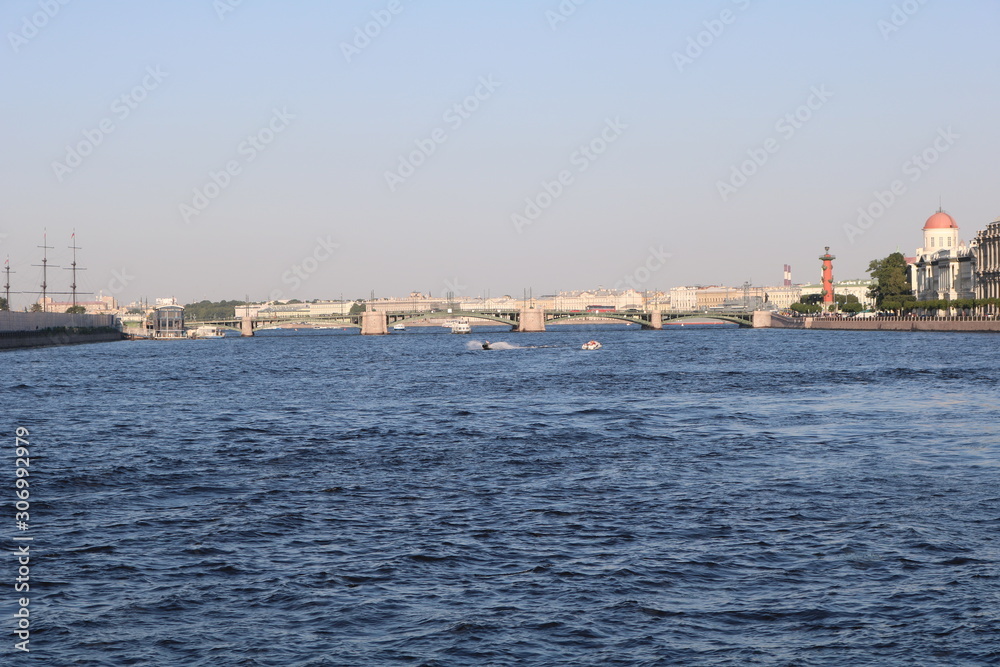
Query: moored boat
(205,331)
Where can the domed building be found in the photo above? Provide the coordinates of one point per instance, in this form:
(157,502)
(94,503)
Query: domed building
(944,268)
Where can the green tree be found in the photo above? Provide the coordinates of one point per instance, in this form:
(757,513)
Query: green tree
(357,307)
(812,299)
(806,308)
(892,284)
(76,310)
(843,299)
(3,304)
(211,310)
(36,308)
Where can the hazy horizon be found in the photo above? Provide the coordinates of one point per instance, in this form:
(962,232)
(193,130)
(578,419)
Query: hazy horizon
(216,149)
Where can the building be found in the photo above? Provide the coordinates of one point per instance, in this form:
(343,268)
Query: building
(944,268)
(858,288)
(103,305)
(684,298)
(782,297)
(165,322)
(986,249)
(689,299)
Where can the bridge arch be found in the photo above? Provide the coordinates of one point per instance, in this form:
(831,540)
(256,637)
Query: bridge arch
(507,319)
(632,318)
(745,322)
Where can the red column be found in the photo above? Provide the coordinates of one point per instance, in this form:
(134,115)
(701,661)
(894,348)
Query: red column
(828,276)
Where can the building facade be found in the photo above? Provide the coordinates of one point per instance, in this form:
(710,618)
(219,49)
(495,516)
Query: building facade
(165,322)
(986,249)
(103,305)
(944,268)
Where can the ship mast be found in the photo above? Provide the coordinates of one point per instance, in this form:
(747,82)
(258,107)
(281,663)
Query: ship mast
(6,283)
(45,265)
(73,268)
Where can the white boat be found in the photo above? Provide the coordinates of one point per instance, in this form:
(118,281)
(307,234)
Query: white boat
(591,345)
(461,328)
(399,327)
(206,331)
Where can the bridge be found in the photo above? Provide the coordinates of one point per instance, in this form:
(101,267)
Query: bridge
(373,323)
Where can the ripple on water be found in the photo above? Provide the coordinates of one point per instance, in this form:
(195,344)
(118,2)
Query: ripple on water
(692,497)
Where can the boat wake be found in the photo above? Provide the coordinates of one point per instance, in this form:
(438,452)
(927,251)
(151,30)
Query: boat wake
(499,345)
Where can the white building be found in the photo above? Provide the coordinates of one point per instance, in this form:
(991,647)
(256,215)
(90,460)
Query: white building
(986,248)
(684,298)
(858,288)
(944,268)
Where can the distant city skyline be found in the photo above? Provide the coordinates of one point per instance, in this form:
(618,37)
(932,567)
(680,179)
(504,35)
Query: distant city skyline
(215,150)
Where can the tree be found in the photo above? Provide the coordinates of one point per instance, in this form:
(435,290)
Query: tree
(806,308)
(357,307)
(76,310)
(36,307)
(852,307)
(3,304)
(209,310)
(892,284)
(843,299)
(812,299)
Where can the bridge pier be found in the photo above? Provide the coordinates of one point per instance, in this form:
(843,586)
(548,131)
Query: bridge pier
(655,321)
(761,319)
(531,320)
(246,326)
(374,323)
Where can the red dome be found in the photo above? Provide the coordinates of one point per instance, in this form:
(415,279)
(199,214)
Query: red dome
(940,220)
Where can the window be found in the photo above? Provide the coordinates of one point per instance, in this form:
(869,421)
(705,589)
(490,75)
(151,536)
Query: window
(932,241)
(949,241)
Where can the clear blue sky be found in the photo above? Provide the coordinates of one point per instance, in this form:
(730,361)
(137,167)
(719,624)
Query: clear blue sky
(681,127)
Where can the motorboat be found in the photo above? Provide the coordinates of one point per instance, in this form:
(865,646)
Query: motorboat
(399,327)
(205,331)
(591,345)
(461,328)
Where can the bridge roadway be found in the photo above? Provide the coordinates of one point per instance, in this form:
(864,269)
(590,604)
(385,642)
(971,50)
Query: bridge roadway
(524,320)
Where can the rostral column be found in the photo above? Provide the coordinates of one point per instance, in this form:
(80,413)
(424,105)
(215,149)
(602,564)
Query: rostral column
(828,276)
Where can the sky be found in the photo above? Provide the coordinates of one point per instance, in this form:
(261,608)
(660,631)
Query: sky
(224,149)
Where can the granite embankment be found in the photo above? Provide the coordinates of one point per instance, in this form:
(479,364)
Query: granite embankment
(955,324)
(45,329)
